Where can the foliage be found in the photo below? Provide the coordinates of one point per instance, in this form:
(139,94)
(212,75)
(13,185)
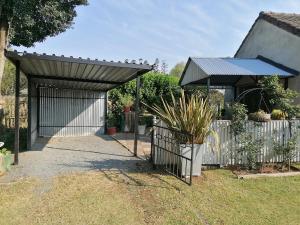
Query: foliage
(249,148)
(8,137)
(190,114)
(286,151)
(154,85)
(239,117)
(126,100)
(9,80)
(246,146)
(277,114)
(259,116)
(146,120)
(32,21)
(278,97)
(177,69)
(4,151)
(111,120)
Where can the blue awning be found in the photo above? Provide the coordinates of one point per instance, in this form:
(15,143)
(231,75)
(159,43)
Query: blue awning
(226,71)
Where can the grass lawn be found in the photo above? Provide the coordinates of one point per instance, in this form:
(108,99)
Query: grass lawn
(144,198)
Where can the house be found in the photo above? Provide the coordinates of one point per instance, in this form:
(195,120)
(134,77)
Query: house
(276,37)
(272,46)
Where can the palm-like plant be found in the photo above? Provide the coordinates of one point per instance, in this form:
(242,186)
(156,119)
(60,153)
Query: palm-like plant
(190,114)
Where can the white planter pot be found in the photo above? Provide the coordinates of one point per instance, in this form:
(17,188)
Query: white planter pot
(142,129)
(186,151)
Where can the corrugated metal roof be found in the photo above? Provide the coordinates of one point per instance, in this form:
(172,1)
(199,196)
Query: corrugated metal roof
(69,72)
(237,66)
(227,70)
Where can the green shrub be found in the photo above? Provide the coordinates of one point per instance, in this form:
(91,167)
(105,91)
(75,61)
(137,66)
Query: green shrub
(250,149)
(153,86)
(8,137)
(279,97)
(239,117)
(146,120)
(286,151)
(126,100)
(112,120)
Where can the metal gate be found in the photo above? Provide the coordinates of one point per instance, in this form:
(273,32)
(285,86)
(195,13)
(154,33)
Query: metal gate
(173,151)
(67,112)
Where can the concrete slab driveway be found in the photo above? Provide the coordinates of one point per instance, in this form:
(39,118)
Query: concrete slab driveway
(55,156)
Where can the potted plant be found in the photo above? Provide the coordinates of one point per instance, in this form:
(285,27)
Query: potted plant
(192,115)
(127,102)
(6,159)
(278,114)
(111,124)
(260,116)
(142,125)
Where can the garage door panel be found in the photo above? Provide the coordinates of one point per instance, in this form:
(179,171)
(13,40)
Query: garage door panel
(66,112)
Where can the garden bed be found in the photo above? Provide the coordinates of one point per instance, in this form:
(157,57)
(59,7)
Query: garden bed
(269,170)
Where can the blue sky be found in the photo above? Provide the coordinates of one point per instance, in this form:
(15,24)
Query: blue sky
(171,30)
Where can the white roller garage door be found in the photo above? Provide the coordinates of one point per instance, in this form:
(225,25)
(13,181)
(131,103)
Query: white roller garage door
(66,112)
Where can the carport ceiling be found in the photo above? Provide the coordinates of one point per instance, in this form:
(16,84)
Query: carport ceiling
(76,73)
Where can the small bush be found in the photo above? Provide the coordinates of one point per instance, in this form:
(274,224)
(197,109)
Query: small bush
(8,137)
(126,100)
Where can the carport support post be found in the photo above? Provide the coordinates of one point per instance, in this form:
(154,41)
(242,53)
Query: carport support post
(17,110)
(29,94)
(137,111)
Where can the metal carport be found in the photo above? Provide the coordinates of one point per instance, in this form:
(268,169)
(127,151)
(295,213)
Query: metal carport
(231,72)
(60,77)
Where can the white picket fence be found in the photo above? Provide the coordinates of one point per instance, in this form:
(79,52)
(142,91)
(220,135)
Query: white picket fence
(278,130)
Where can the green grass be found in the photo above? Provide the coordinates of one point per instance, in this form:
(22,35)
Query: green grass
(147,198)
(297,165)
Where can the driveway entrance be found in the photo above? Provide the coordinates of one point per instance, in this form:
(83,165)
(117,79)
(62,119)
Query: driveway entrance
(60,155)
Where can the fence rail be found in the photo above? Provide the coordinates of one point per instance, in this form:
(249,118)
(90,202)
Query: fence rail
(275,130)
(171,152)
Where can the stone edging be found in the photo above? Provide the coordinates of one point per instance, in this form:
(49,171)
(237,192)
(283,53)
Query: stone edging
(250,176)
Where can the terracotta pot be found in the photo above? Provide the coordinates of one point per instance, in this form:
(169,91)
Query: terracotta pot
(126,109)
(111,130)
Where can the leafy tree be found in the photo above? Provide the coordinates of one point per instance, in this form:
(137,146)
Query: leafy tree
(177,69)
(278,97)
(9,79)
(154,85)
(25,22)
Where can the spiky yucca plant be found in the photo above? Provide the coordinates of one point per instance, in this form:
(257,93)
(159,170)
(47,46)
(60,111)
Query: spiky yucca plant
(190,114)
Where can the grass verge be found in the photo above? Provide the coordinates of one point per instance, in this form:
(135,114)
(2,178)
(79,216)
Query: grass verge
(115,197)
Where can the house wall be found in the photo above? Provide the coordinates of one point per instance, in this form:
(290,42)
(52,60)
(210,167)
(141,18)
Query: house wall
(32,115)
(276,44)
(193,73)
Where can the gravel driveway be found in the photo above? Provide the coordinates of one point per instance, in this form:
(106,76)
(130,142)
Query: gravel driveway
(55,156)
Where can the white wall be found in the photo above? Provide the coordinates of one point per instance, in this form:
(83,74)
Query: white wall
(276,44)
